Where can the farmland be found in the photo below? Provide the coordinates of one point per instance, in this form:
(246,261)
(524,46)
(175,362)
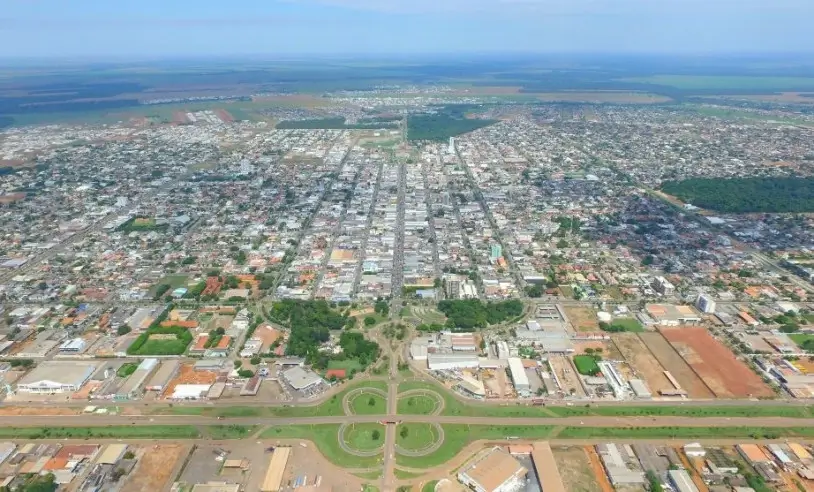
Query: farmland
(668,358)
(717,366)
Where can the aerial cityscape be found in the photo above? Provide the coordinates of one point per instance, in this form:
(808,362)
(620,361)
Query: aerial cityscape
(514,265)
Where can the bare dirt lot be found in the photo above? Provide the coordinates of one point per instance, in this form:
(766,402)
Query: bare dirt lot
(224,115)
(16,411)
(642,361)
(575,469)
(582,318)
(725,375)
(155,467)
(567,375)
(668,358)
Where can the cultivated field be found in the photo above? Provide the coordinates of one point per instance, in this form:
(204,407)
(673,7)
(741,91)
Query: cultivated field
(575,469)
(642,361)
(582,318)
(618,97)
(668,358)
(723,373)
(155,467)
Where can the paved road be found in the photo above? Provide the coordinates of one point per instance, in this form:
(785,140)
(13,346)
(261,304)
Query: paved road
(105,420)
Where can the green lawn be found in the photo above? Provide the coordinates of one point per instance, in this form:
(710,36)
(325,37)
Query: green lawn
(348,365)
(804,341)
(412,436)
(416,405)
(174,281)
(113,431)
(628,324)
(126,369)
(368,404)
(790,411)
(683,432)
(329,408)
(325,438)
(364,437)
(586,365)
(429,486)
(454,407)
(458,436)
(230,431)
(405,475)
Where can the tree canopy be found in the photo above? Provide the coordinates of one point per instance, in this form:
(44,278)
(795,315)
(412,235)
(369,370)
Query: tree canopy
(469,314)
(746,195)
(310,323)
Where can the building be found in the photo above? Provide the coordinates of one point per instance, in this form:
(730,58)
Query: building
(519,378)
(51,377)
(133,387)
(273,480)
(640,389)
(680,481)
(663,286)
(621,464)
(672,315)
(546,467)
(301,379)
(162,377)
(6,449)
(72,346)
(450,362)
(216,487)
(495,252)
(497,471)
(705,304)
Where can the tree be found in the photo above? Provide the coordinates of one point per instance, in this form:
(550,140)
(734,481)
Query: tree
(371,402)
(238,364)
(370,321)
(255,360)
(245,373)
(404,432)
(123,330)
(375,435)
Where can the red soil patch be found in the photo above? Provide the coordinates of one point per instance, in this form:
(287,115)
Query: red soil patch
(179,117)
(715,364)
(224,115)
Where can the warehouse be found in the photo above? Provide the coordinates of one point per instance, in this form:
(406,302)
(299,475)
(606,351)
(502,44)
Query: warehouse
(274,474)
(681,481)
(498,471)
(162,377)
(52,377)
(449,362)
(301,379)
(621,464)
(519,378)
(133,388)
(546,467)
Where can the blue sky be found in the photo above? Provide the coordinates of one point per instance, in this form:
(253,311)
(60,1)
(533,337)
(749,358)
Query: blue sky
(124,28)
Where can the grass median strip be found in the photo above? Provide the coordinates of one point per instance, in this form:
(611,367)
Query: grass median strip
(103,432)
(230,431)
(683,432)
(325,438)
(456,437)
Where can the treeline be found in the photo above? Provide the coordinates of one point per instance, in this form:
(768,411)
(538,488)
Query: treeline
(470,314)
(310,323)
(746,195)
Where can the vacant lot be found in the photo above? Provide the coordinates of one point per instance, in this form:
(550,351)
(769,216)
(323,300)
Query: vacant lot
(575,469)
(582,318)
(155,467)
(642,361)
(724,374)
(667,356)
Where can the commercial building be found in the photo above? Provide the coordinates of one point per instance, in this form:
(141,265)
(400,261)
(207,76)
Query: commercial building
(680,481)
(274,474)
(165,373)
(705,304)
(663,286)
(301,379)
(56,377)
(672,315)
(519,378)
(133,388)
(497,471)
(449,362)
(546,467)
(621,464)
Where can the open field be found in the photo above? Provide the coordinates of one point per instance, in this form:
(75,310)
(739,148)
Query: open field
(683,432)
(416,405)
(155,467)
(668,358)
(582,318)
(613,97)
(678,410)
(723,82)
(586,365)
(219,432)
(325,437)
(802,339)
(717,366)
(113,431)
(454,407)
(575,469)
(364,437)
(371,404)
(781,98)
(628,324)
(642,361)
(414,437)
(456,437)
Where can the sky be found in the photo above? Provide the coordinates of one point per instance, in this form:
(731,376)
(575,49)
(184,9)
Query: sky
(108,29)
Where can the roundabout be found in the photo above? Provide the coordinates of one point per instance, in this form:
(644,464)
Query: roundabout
(364,440)
(420,402)
(365,401)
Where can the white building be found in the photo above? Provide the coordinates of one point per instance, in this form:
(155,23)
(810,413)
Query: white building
(498,471)
(519,378)
(57,377)
(449,362)
(663,286)
(705,304)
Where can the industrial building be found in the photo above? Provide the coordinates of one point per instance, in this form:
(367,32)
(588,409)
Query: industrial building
(133,388)
(519,378)
(680,481)
(56,377)
(301,379)
(448,362)
(273,480)
(546,467)
(497,471)
(165,373)
(621,464)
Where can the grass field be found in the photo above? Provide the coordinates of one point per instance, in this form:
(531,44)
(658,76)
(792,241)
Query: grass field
(416,405)
(791,411)
(456,437)
(756,83)
(368,404)
(126,369)
(586,365)
(683,432)
(364,437)
(230,431)
(348,365)
(429,486)
(325,437)
(454,407)
(802,339)
(413,436)
(405,475)
(114,432)
(628,324)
